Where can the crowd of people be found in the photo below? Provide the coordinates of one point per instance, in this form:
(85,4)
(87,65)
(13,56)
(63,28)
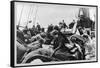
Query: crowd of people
(61,42)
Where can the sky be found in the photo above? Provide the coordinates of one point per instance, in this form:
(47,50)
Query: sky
(46,14)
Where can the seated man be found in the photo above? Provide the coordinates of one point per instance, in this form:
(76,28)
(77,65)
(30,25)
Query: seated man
(67,51)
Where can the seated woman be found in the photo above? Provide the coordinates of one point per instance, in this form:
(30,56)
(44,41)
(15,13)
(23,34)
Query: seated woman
(43,54)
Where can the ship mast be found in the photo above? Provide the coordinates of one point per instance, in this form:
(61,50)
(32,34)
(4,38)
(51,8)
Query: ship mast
(34,17)
(20,16)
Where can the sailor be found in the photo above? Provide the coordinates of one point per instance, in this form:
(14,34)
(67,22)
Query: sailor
(38,27)
(71,24)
